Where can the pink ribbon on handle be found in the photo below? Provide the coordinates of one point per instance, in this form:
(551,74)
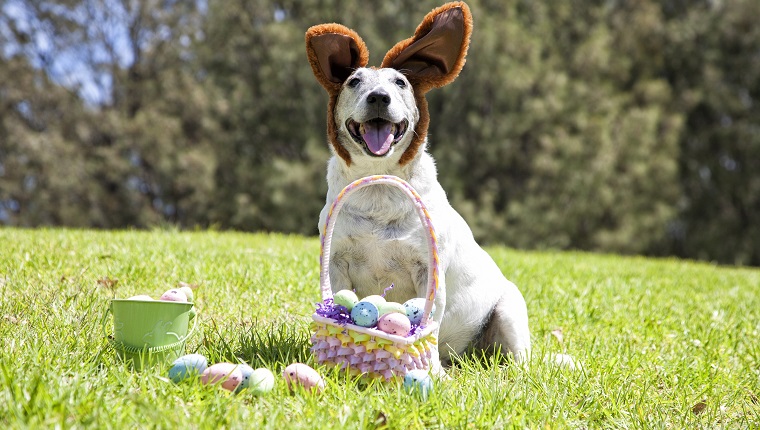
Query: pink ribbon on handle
(422,212)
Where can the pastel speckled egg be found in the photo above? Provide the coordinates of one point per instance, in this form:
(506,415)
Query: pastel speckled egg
(418,382)
(414,309)
(364,314)
(394,323)
(299,374)
(247,371)
(188,292)
(228,374)
(259,381)
(187,366)
(262,381)
(141,297)
(346,298)
(374,299)
(388,307)
(174,295)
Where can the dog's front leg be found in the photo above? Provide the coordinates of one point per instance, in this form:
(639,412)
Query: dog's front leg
(339,279)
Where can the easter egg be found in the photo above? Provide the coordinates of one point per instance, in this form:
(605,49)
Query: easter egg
(173,295)
(418,382)
(345,298)
(299,374)
(415,308)
(246,371)
(394,323)
(364,314)
(188,292)
(262,381)
(388,307)
(141,297)
(228,374)
(187,366)
(374,299)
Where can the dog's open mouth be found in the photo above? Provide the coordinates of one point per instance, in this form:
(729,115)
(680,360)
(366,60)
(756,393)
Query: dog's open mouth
(377,135)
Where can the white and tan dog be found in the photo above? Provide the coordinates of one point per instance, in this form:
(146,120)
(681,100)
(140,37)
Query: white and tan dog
(377,124)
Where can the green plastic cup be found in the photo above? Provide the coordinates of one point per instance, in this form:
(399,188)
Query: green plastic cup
(147,332)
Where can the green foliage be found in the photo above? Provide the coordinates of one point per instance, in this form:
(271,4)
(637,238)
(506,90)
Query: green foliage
(610,126)
(716,70)
(568,144)
(663,343)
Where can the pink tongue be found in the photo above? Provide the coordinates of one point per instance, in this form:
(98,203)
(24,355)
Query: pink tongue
(378,137)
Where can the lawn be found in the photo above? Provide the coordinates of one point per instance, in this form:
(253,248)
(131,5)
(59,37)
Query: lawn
(664,343)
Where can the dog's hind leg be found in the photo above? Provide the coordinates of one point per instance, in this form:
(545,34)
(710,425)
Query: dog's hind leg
(508,327)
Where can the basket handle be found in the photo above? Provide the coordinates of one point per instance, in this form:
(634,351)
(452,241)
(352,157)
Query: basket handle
(332,216)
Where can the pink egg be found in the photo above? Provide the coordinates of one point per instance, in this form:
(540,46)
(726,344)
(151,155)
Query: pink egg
(300,374)
(394,323)
(228,374)
(174,295)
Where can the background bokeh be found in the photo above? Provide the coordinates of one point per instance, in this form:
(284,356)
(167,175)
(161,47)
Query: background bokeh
(614,126)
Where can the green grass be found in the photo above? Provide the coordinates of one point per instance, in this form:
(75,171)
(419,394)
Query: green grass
(664,343)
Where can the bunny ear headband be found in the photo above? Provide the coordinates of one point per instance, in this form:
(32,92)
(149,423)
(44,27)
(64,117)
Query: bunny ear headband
(431,58)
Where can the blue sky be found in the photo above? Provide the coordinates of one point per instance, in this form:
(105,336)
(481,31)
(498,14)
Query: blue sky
(76,61)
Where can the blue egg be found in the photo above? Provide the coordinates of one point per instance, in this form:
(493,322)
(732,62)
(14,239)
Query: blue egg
(187,366)
(365,314)
(415,308)
(418,382)
(247,371)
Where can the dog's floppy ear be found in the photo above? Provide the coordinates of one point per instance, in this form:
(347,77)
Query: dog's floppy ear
(334,52)
(435,55)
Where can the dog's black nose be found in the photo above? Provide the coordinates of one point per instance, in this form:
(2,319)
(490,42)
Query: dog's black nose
(379,96)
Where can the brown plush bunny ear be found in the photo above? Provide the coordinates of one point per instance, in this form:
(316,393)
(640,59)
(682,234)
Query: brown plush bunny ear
(432,58)
(334,52)
(435,55)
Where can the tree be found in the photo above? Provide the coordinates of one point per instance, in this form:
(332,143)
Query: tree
(562,135)
(625,126)
(714,65)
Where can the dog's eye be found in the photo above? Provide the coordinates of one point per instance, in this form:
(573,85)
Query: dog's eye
(400,83)
(354,82)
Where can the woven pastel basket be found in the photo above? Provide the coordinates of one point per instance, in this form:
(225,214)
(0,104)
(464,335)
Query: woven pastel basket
(369,351)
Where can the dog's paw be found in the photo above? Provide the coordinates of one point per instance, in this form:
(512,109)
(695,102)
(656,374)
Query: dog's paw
(565,361)
(438,372)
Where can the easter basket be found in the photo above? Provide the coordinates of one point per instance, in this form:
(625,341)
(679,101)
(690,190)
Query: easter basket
(371,352)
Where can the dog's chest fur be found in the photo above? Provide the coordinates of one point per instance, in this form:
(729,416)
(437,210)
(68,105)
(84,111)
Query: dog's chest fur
(380,242)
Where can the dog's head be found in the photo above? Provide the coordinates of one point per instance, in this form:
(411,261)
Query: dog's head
(381,113)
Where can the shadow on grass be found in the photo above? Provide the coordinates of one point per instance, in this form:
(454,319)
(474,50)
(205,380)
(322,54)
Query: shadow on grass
(270,345)
(485,358)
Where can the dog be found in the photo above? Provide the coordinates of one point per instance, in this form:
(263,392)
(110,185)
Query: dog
(377,125)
